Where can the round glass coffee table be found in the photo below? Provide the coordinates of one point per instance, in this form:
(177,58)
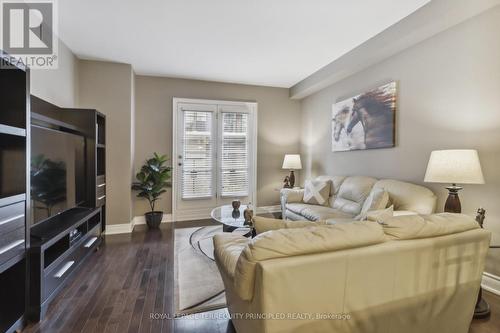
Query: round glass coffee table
(232,219)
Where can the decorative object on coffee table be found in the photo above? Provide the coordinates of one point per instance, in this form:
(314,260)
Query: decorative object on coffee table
(152,181)
(455,166)
(231,219)
(248,213)
(291,162)
(236,204)
(236,213)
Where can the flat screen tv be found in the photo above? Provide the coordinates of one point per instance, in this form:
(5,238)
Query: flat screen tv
(57,172)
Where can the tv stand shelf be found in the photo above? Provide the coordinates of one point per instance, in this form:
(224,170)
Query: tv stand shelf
(59,246)
(59,225)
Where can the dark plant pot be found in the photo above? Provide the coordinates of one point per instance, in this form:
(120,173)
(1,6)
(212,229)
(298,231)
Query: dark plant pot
(153,219)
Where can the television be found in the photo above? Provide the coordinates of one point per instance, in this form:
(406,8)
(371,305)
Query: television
(57,172)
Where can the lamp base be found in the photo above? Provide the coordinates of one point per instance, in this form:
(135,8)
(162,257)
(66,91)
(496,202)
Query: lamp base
(292,179)
(452,204)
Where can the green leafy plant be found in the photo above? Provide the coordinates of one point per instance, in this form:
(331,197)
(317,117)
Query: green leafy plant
(153,179)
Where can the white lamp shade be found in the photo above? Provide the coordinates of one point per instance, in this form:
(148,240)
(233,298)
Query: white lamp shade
(292,162)
(456,166)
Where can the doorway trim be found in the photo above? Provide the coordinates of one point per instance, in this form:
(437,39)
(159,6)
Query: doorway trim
(253,106)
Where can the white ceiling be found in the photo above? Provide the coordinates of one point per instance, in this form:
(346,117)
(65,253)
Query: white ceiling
(262,42)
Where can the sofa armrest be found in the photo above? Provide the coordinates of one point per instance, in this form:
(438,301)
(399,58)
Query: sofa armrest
(227,250)
(289,195)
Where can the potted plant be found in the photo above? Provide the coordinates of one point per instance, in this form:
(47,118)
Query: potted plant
(151,182)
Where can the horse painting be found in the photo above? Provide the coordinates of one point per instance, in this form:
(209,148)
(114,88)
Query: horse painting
(365,121)
(340,122)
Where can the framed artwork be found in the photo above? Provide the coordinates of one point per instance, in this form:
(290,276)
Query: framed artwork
(365,121)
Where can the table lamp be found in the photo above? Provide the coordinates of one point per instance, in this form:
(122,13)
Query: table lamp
(456,166)
(292,162)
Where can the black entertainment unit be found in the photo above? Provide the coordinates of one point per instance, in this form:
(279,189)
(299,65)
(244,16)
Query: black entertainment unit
(40,254)
(14,193)
(60,243)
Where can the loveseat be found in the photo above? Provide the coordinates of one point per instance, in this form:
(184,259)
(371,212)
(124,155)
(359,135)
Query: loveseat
(349,196)
(409,274)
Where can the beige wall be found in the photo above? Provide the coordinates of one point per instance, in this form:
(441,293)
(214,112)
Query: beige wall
(108,87)
(139,122)
(449,97)
(278,126)
(58,86)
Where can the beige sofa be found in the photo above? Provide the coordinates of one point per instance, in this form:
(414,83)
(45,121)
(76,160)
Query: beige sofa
(348,194)
(412,274)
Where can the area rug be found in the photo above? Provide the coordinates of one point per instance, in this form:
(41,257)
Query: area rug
(198,285)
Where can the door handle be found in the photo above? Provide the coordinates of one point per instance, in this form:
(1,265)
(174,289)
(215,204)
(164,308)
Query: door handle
(179,164)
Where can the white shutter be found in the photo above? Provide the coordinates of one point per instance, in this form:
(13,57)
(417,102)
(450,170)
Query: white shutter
(197,155)
(234,157)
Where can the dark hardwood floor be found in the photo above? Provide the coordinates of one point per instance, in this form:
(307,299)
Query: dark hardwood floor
(131,277)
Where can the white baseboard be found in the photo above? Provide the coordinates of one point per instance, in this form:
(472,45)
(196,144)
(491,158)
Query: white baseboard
(125,228)
(491,283)
(113,229)
(137,220)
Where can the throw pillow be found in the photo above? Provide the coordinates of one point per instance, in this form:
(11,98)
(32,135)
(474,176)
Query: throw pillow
(316,192)
(376,200)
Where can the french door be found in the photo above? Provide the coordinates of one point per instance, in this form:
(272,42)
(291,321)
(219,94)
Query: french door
(215,156)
